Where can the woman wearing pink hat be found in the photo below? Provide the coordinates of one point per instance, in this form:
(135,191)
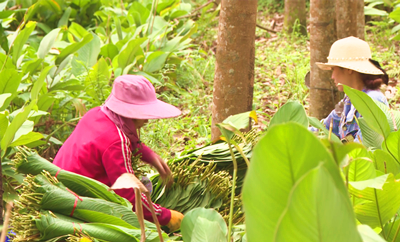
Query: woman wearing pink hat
(101,145)
(350,60)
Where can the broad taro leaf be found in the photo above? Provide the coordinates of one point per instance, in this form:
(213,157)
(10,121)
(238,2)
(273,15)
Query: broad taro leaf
(292,170)
(202,225)
(339,151)
(128,54)
(17,122)
(385,162)
(319,206)
(391,230)
(27,139)
(360,169)
(21,39)
(373,115)
(72,48)
(381,199)
(47,42)
(155,61)
(392,116)
(234,123)
(368,234)
(37,86)
(3,98)
(10,80)
(291,111)
(109,51)
(392,145)
(87,56)
(64,19)
(370,138)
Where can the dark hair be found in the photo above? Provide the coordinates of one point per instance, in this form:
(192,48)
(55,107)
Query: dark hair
(374,82)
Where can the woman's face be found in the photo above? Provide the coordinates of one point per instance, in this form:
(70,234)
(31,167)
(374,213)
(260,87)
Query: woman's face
(140,122)
(342,76)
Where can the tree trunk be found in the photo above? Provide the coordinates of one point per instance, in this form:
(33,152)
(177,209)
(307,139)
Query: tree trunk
(323,93)
(295,10)
(350,19)
(234,71)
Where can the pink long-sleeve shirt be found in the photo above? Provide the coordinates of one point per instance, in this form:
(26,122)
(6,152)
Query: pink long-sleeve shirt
(98,149)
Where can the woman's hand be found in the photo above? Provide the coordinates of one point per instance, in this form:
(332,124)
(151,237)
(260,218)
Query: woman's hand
(163,169)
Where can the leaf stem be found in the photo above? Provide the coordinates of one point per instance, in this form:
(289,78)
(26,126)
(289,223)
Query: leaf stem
(379,214)
(397,232)
(232,191)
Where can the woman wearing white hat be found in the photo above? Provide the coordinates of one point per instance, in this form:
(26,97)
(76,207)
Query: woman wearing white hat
(351,65)
(103,141)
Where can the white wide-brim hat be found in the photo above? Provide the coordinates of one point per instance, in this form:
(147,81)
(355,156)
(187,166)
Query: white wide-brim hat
(351,53)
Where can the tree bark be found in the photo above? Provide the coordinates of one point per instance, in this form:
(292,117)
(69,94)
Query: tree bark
(323,93)
(234,71)
(350,19)
(295,10)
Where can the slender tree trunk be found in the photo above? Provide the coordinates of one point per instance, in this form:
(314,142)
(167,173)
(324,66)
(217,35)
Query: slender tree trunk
(295,10)
(234,72)
(350,19)
(323,93)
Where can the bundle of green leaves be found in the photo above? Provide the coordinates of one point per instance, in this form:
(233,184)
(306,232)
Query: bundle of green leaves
(63,212)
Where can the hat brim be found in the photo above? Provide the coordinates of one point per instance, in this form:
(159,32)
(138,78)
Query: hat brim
(365,67)
(155,110)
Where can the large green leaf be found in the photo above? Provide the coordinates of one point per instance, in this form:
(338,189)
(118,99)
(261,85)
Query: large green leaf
(284,157)
(109,51)
(373,115)
(320,208)
(3,124)
(3,98)
(39,83)
(392,145)
(72,48)
(87,56)
(385,163)
(391,230)
(202,225)
(368,234)
(381,197)
(339,151)
(10,80)
(130,52)
(393,116)
(360,169)
(291,111)
(21,39)
(155,61)
(27,138)
(47,42)
(370,138)
(17,122)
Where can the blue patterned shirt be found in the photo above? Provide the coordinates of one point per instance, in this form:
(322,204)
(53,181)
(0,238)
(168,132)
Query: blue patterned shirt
(346,123)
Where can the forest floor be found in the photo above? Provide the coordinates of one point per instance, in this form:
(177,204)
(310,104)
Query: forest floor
(282,61)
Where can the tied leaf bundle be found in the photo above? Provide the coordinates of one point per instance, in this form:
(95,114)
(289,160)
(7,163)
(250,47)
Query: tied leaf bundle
(27,161)
(103,220)
(196,186)
(219,154)
(203,179)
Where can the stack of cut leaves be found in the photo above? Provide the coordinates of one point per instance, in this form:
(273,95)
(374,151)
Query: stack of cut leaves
(196,186)
(219,153)
(202,179)
(49,211)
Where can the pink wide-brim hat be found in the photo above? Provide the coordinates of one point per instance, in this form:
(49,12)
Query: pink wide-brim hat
(135,97)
